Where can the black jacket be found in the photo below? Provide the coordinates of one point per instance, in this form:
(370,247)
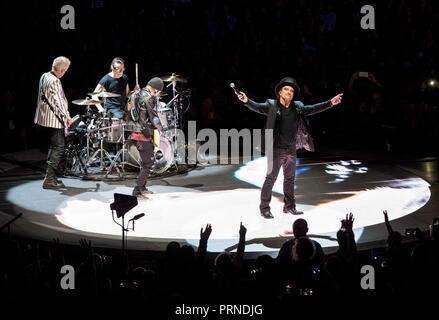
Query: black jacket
(142,116)
(270,108)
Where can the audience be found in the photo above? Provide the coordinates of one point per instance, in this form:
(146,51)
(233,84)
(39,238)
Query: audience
(249,43)
(32,268)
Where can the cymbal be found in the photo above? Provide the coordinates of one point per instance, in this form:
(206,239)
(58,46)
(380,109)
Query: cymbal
(104,94)
(175,77)
(86,102)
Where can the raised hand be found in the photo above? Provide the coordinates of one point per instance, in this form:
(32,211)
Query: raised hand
(86,246)
(337,99)
(242,231)
(349,221)
(241,96)
(386,216)
(204,235)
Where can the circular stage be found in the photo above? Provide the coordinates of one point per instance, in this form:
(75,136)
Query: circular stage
(327,189)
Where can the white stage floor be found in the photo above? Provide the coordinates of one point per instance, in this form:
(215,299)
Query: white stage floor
(225,196)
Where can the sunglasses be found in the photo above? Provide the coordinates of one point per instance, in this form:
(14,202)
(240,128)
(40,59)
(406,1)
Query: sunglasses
(118,69)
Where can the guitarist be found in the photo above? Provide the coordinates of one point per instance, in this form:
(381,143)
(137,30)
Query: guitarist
(52,113)
(144,127)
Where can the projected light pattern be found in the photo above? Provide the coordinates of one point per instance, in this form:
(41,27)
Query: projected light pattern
(344,170)
(254,173)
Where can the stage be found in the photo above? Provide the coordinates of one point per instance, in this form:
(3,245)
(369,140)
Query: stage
(328,186)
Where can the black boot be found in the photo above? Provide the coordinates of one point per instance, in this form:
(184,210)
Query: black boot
(293,211)
(50,181)
(137,192)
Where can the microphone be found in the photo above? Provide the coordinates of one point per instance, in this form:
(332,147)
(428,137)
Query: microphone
(140,215)
(136,217)
(232,85)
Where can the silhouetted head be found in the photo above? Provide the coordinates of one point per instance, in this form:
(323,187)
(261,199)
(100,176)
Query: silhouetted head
(394,239)
(300,228)
(264,261)
(187,253)
(224,263)
(172,250)
(333,266)
(303,249)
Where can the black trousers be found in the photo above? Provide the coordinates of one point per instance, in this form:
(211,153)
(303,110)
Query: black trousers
(146,151)
(56,151)
(285,158)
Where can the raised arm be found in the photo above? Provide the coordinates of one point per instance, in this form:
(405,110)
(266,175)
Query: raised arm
(386,221)
(204,237)
(310,110)
(261,108)
(99,88)
(241,246)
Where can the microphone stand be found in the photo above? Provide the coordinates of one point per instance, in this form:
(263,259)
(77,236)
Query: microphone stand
(177,118)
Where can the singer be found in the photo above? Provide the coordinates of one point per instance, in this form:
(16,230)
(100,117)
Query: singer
(142,121)
(53,115)
(287,120)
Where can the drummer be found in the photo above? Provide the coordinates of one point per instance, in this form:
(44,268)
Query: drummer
(116,82)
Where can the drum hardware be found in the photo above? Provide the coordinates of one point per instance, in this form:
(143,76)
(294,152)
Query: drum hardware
(164,156)
(76,120)
(112,129)
(120,152)
(97,127)
(86,102)
(75,151)
(175,77)
(104,94)
(98,135)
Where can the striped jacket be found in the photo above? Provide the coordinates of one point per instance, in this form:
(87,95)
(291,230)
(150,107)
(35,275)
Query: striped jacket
(51,87)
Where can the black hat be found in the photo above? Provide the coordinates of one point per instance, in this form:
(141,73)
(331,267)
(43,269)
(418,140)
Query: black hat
(288,81)
(156,83)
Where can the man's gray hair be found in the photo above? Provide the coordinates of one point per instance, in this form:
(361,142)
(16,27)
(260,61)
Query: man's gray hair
(60,63)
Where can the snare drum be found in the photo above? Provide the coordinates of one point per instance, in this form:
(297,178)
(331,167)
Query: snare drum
(112,128)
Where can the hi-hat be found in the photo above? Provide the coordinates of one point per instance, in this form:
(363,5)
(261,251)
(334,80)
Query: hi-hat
(86,102)
(104,94)
(175,77)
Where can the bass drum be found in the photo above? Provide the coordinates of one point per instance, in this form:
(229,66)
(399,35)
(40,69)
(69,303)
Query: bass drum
(164,157)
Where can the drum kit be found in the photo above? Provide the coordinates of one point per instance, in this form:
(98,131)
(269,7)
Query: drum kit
(97,144)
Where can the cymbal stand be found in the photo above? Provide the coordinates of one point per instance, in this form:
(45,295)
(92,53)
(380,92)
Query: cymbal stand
(101,150)
(177,119)
(119,153)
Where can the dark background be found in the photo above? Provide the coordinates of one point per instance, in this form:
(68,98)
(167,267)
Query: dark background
(251,43)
